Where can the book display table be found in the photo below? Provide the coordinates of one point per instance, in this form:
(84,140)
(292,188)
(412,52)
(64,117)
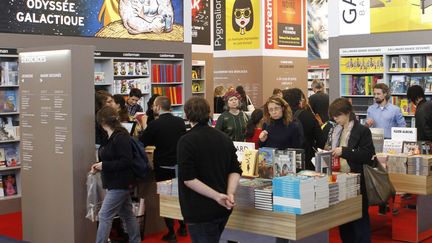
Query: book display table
(416,210)
(281,225)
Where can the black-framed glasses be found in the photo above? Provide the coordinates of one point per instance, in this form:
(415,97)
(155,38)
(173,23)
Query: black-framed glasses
(246,12)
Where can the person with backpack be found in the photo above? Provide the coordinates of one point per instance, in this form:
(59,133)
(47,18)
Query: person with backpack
(116,169)
(313,138)
(164,133)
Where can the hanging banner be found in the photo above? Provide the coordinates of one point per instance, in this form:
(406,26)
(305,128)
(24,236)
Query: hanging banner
(130,19)
(236,25)
(285,24)
(399,16)
(318,36)
(201,22)
(354,17)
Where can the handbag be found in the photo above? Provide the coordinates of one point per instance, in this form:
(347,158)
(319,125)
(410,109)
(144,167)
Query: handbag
(250,106)
(378,185)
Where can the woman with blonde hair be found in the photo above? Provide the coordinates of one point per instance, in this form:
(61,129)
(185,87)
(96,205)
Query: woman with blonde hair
(219,103)
(280,130)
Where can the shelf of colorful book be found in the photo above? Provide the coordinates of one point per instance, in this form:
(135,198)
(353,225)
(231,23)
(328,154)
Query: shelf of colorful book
(363,74)
(10,141)
(174,83)
(10,168)
(10,197)
(369,96)
(131,76)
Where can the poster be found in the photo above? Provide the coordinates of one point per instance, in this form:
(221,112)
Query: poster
(398,16)
(131,19)
(201,22)
(236,25)
(285,24)
(318,46)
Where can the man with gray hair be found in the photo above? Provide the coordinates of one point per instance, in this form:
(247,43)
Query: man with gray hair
(319,101)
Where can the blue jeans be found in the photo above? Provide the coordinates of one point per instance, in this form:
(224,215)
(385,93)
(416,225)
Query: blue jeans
(117,202)
(207,232)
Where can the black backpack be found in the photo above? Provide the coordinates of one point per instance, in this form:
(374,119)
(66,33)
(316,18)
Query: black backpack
(140,162)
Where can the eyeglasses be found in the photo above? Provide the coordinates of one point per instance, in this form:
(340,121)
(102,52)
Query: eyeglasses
(277,108)
(246,12)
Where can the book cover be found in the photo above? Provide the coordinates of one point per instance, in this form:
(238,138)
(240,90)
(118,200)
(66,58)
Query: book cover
(394,64)
(378,139)
(299,158)
(284,163)
(12,156)
(1,189)
(265,162)
(428,84)
(404,63)
(429,63)
(411,148)
(249,162)
(398,84)
(9,185)
(417,80)
(404,106)
(360,86)
(323,162)
(392,146)
(418,63)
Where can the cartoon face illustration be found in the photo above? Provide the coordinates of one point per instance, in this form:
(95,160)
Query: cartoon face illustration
(242,16)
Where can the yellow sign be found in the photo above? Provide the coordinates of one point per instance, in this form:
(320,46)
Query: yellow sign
(242,24)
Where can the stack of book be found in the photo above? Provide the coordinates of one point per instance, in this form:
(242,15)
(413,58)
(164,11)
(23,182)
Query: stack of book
(294,194)
(245,195)
(322,192)
(420,165)
(264,198)
(333,193)
(397,164)
(168,187)
(349,185)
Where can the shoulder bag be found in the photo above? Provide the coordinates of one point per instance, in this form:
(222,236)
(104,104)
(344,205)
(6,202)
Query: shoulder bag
(378,185)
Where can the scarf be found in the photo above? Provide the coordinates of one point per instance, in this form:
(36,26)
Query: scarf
(334,139)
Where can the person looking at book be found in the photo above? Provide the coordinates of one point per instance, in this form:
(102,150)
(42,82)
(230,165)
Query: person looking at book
(219,103)
(423,114)
(383,114)
(279,129)
(311,129)
(209,174)
(120,106)
(319,101)
(116,170)
(254,127)
(352,143)
(233,121)
(164,133)
(132,101)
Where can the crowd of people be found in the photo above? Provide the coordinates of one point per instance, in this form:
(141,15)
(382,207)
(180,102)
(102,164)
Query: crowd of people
(204,158)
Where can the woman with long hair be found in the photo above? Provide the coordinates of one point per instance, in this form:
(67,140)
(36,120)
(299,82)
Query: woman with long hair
(120,106)
(254,127)
(280,130)
(219,103)
(352,143)
(245,101)
(116,171)
(233,121)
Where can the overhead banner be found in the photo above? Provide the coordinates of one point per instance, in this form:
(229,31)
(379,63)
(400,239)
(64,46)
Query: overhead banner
(130,19)
(354,17)
(236,25)
(285,24)
(399,16)
(318,46)
(201,22)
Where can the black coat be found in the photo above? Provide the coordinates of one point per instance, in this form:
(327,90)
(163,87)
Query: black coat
(423,121)
(319,103)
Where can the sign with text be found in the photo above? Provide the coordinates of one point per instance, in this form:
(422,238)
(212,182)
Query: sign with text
(284,24)
(354,17)
(236,25)
(404,134)
(241,147)
(150,19)
(201,22)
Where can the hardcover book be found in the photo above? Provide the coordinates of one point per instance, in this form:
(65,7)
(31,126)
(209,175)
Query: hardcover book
(9,185)
(399,84)
(418,63)
(12,156)
(284,163)
(429,63)
(265,162)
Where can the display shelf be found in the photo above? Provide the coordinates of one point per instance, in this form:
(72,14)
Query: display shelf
(131,76)
(9,113)
(275,224)
(9,86)
(10,168)
(10,141)
(198,78)
(10,197)
(364,96)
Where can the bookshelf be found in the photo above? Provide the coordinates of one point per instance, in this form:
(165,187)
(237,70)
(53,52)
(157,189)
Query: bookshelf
(118,72)
(10,166)
(198,78)
(397,66)
(319,72)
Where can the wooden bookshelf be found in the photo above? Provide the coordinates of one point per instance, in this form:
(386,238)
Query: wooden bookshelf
(282,225)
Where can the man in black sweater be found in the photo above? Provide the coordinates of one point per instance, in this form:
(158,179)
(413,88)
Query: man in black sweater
(208,174)
(319,102)
(423,115)
(164,133)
